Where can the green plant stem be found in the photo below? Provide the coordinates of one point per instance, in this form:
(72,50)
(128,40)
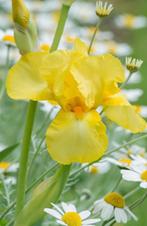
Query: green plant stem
(60,27)
(125,83)
(20,197)
(93,37)
(20,194)
(131,192)
(117,183)
(34,183)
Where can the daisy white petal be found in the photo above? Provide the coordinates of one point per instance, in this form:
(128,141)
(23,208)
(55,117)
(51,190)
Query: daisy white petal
(65,207)
(85,214)
(72,208)
(61,222)
(143,185)
(53,213)
(120,215)
(107,212)
(57,208)
(91,221)
(130,175)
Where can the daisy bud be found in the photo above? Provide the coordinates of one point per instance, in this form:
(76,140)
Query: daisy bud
(24,27)
(103,9)
(133,64)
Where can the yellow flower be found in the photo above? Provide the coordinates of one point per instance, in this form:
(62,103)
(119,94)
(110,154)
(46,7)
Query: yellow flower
(119,110)
(79,83)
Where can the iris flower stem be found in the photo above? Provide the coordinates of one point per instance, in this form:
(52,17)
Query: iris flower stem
(93,37)
(22,176)
(60,27)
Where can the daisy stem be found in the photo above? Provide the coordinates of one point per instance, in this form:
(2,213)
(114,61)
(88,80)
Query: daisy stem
(22,174)
(131,193)
(117,184)
(138,202)
(125,83)
(60,27)
(93,37)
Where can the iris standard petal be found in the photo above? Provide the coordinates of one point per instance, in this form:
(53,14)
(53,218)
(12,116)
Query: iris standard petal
(118,109)
(112,72)
(25,80)
(76,140)
(86,73)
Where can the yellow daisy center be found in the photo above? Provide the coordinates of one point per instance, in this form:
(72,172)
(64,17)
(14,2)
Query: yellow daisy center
(144,175)
(4,165)
(79,113)
(125,161)
(94,170)
(129,21)
(72,219)
(9,38)
(115,199)
(45,47)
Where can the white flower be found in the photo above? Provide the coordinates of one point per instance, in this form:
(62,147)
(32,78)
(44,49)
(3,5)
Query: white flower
(143,111)
(7,37)
(133,95)
(67,215)
(103,8)
(8,167)
(137,173)
(118,49)
(136,78)
(131,21)
(113,205)
(86,14)
(122,162)
(133,64)
(98,168)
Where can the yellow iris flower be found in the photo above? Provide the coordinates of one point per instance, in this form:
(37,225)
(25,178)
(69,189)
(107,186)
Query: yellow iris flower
(79,83)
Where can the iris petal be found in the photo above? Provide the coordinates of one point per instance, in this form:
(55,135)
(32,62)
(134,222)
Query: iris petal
(76,140)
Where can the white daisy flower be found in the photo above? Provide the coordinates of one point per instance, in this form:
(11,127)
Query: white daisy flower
(130,21)
(8,167)
(137,173)
(7,37)
(143,111)
(98,168)
(113,205)
(133,95)
(133,64)
(121,162)
(103,8)
(135,78)
(67,215)
(118,49)
(86,14)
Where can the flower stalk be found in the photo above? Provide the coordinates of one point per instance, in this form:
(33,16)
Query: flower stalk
(93,37)
(22,176)
(60,27)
